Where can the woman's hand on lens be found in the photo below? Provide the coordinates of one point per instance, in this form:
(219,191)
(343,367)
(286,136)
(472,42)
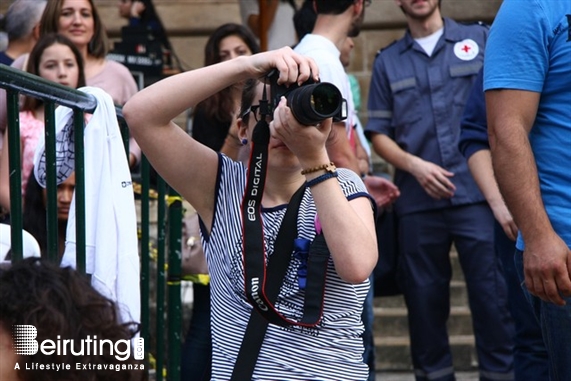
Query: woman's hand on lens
(303,141)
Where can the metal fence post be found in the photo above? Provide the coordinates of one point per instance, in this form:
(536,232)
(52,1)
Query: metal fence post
(174,285)
(14,161)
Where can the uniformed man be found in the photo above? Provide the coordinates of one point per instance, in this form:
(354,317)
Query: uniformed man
(417,95)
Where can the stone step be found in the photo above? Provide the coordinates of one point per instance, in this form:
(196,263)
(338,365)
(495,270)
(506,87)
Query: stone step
(390,328)
(393,322)
(458,297)
(393,353)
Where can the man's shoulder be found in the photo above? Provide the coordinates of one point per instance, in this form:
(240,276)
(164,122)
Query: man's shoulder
(390,48)
(322,50)
(313,42)
(468,27)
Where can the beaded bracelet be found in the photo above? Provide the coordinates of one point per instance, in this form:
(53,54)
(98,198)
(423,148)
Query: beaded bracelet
(329,167)
(320,179)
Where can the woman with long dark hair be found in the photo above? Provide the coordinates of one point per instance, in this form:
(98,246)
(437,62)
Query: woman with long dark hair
(213,117)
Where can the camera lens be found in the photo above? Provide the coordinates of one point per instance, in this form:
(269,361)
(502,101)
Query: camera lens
(313,103)
(325,99)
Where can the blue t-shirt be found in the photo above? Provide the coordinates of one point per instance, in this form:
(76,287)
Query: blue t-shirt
(529,49)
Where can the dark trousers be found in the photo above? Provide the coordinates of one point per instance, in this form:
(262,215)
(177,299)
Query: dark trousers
(197,348)
(530,354)
(554,321)
(425,241)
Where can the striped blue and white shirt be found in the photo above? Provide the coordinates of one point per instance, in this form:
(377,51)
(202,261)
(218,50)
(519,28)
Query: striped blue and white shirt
(331,351)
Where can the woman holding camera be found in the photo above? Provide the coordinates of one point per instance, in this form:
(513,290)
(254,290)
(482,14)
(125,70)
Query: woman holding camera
(228,197)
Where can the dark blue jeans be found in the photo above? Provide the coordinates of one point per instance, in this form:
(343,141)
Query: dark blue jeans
(197,348)
(555,322)
(530,355)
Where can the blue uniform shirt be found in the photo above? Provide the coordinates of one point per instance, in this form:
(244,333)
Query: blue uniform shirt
(474,134)
(418,101)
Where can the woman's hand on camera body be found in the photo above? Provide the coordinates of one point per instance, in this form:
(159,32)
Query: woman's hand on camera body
(293,67)
(306,142)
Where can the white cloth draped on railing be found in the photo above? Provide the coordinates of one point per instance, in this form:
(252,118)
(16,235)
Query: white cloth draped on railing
(112,256)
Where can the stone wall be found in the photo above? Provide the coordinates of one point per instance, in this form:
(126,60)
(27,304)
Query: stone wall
(189,22)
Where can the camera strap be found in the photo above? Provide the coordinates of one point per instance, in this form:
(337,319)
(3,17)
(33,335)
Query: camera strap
(259,280)
(269,280)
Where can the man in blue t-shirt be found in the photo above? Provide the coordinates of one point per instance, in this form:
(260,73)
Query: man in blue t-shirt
(527,79)
(530,355)
(417,95)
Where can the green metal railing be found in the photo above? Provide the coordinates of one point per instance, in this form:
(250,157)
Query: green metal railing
(169,215)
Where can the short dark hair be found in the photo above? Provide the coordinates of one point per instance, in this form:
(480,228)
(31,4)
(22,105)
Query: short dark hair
(61,301)
(332,7)
(304,19)
(248,95)
(34,216)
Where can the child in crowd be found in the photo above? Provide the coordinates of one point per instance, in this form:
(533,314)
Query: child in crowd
(34,217)
(55,58)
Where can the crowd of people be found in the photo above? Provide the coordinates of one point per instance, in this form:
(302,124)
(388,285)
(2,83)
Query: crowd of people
(288,203)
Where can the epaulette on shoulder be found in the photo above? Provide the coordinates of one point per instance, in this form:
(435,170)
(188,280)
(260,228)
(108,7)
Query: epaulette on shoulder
(481,23)
(386,47)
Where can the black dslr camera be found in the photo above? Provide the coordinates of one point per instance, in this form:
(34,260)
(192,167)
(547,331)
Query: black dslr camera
(310,103)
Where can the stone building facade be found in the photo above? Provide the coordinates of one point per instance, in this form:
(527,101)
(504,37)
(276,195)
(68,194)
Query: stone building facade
(189,23)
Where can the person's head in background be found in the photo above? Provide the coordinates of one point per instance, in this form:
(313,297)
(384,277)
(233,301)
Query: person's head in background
(60,303)
(346,50)
(337,7)
(422,11)
(3,34)
(228,41)
(141,9)
(55,58)
(79,21)
(3,37)
(35,203)
(125,8)
(304,19)
(21,24)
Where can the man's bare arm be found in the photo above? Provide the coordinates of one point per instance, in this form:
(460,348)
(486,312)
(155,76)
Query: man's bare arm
(547,259)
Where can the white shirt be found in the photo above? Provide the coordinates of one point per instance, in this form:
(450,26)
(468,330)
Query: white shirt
(112,255)
(282,31)
(428,43)
(327,57)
